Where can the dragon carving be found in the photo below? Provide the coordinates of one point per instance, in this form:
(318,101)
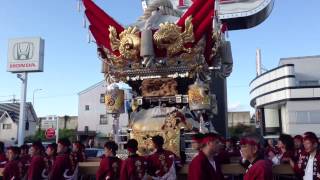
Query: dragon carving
(170,37)
(128,44)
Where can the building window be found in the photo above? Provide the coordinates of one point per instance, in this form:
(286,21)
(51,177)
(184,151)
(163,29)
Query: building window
(27,126)
(307,117)
(6,126)
(309,83)
(102,98)
(87,108)
(103,119)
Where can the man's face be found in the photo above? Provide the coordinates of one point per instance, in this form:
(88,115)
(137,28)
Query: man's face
(75,148)
(309,146)
(33,151)
(228,144)
(107,152)
(213,146)
(281,145)
(49,151)
(248,151)
(297,143)
(195,145)
(60,148)
(10,155)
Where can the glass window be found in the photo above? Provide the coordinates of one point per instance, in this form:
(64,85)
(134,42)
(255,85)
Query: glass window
(307,117)
(309,83)
(6,126)
(87,108)
(103,119)
(314,117)
(102,98)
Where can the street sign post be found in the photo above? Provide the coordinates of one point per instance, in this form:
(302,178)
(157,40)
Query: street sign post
(24,55)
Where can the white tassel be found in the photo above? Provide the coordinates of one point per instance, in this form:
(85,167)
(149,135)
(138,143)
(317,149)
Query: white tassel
(84,21)
(89,37)
(79,6)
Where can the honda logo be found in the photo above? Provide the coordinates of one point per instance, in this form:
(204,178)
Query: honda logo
(23,50)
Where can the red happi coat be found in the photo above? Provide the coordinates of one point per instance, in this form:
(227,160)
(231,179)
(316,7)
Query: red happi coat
(201,169)
(3,160)
(109,168)
(59,167)
(160,162)
(78,156)
(259,170)
(133,168)
(11,170)
(301,164)
(297,153)
(36,167)
(49,160)
(25,159)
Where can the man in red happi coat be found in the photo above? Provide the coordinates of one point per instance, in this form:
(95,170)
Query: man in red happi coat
(196,142)
(61,163)
(11,169)
(51,153)
(135,166)
(204,166)
(298,146)
(162,163)
(259,168)
(110,164)
(37,163)
(3,159)
(308,165)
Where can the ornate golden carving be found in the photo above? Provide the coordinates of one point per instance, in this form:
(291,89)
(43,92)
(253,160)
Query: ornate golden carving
(198,95)
(170,37)
(171,140)
(128,44)
(176,120)
(159,87)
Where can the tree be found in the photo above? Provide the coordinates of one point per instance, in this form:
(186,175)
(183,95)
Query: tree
(68,133)
(40,135)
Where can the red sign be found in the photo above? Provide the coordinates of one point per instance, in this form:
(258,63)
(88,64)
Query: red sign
(50,133)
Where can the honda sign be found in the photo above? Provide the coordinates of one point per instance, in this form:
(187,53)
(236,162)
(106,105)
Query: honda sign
(25,55)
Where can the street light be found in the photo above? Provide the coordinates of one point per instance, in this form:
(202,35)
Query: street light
(34,91)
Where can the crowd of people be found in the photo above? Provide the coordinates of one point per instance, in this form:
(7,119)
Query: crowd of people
(256,155)
(57,161)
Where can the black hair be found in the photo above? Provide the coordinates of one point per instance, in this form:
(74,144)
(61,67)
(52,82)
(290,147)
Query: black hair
(132,143)
(1,147)
(288,141)
(14,149)
(24,147)
(111,145)
(158,140)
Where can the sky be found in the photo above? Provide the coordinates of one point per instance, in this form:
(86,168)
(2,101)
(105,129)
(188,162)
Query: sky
(71,64)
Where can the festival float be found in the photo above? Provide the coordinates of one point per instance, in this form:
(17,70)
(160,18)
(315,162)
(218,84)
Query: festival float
(176,58)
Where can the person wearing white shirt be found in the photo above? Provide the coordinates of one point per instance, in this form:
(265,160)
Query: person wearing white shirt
(308,167)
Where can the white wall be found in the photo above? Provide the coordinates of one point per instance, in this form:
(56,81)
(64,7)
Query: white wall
(284,118)
(8,135)
(271,117)
(306,68)
(295,125)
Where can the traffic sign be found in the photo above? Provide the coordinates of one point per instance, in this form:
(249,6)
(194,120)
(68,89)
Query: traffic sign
(50,133)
